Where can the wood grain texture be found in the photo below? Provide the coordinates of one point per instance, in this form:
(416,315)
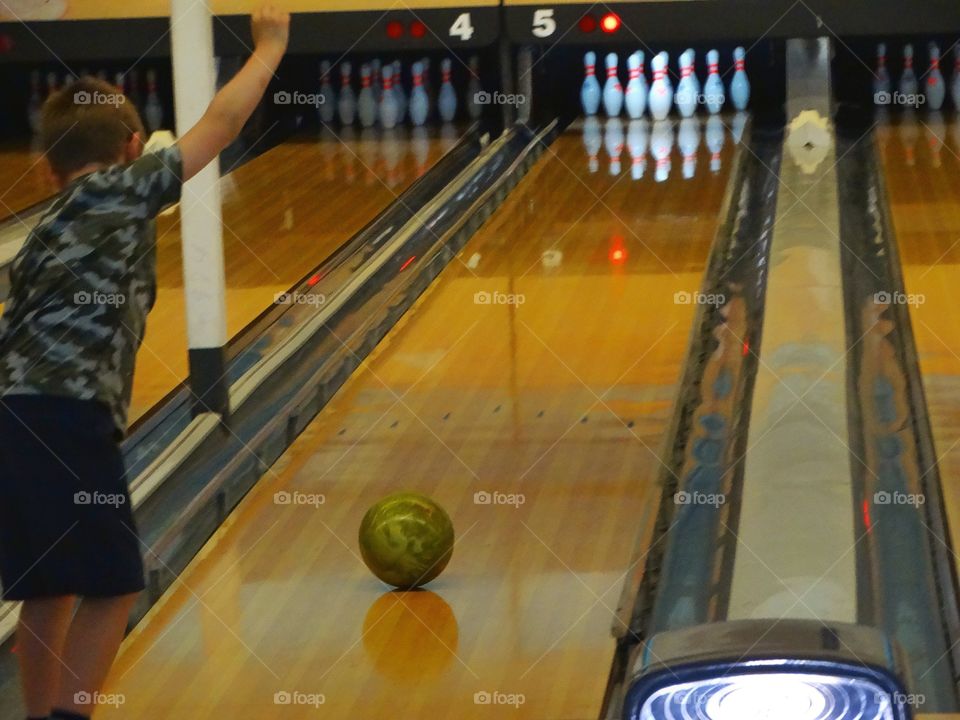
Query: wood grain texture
(560,400)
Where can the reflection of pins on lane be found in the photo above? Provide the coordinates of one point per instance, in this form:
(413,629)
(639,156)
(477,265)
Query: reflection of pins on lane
(936,130)
(881,77)
(740,85)
(936,90)
(612,90)
(448,136)
(715,137)
(686,97)
(636,96)
(447,101)
(420,145)
(661,98)
(638,138)
(590,91)
(908,137)
(392,147)
(389,107)
(347,103)
(592,142)
(661,145)
(908,80)
(474,88)
(329,104)
(613,140)
(688,139)
(419,102)
(737,127)
(714,90)
(369,150)
(366,101)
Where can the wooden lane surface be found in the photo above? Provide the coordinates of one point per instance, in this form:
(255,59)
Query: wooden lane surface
(922,167)
(283,213)
(558,404)
(23,179)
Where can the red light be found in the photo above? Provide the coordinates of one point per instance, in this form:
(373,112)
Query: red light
(6,43)
(610,23)
(407,263)
(617,253)
(313,281)
(395,29)
(867,521)
(588,23)
(746,348)
(418,29)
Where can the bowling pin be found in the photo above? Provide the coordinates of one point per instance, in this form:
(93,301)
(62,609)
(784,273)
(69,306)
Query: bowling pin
(152,110)
(636,97)
(447,100)
(612,90)
(419,102)
(686,97)
(366,100)
(327,109)
(661,145)
(52,83)
(474,89)
(661,97)
(376,80)
(692,55)
(638,138)
(613,141)
(715,138)
(428,86)
(118,81)
(688,140)
(399,90)
(881,78)
(955,88)
(666,64)
(592,142)
(347,102)
(908,80)
(714,93)
(35,103)
(740,85)
(389,107)
(590,91)
(936,90)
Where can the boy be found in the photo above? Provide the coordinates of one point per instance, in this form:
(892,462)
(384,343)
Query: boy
(81,288)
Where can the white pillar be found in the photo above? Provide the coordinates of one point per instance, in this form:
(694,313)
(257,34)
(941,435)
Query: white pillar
(194,83)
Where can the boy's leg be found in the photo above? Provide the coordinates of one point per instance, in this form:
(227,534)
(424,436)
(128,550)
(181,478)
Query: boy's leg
(41,634)
(92,643)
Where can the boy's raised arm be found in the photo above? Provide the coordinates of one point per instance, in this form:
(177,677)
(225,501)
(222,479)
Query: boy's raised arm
(234,104)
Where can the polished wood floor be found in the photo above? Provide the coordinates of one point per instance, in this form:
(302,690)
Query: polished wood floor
(922,165)
(554,394)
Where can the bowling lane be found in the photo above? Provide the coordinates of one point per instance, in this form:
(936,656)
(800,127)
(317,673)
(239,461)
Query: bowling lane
(23,179)
(922,166)
(284,212)
(528,391)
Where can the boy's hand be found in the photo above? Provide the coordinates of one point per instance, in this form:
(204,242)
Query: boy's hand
(271,29)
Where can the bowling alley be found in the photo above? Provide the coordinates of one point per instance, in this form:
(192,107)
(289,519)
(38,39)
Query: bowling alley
(479,360)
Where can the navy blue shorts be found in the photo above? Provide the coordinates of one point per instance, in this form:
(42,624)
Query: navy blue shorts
(66,525)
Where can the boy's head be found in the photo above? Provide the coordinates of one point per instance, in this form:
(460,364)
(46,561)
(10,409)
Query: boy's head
(87,124)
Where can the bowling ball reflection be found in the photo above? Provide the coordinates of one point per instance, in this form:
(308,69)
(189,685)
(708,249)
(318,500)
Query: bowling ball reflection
(410,636)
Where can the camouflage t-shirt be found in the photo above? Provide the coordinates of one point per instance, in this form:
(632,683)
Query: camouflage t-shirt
(82,285)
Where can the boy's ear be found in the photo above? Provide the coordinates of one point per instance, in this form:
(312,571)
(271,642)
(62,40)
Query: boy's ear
(134,148)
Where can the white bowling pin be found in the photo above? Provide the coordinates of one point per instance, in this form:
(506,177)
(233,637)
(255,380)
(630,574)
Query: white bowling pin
(590,91)
(419,102)
(638,138)
(35,103)
(936,90)
(399,91)
(389,107)
(661,145)
(636,96)
(612,89)
(955,88)
(376,80)
(152,110)
(686,97)
(474,90)
(688,140)
(667,77)
(715,137)
(592,142)
(366,100)
(740,85)
(692,56)
(347,102)
(613,141)
(661,97)
(713,90)
(908,80)
(428,86)
(328,106)
(447,101)
(881,77)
